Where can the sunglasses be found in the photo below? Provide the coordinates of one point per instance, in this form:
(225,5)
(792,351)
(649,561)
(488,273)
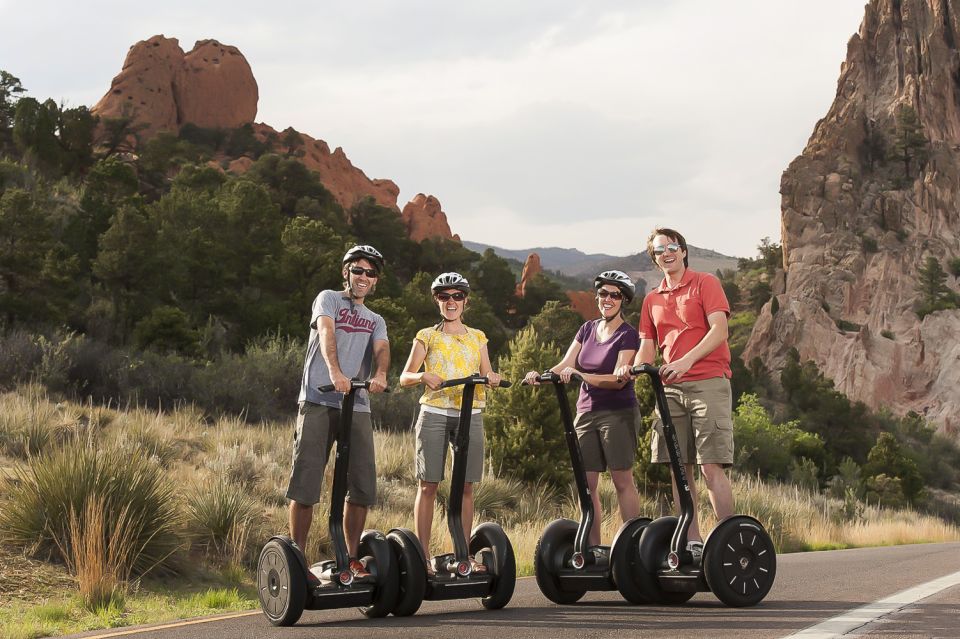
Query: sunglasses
(603,293)
(369,272)
(456,297)
(673,247)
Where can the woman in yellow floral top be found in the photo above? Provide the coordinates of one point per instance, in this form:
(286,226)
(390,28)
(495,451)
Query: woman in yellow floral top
(446,351)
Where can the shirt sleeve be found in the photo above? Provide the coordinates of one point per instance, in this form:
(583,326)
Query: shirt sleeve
(480,335)
(585,331)
(423,336)
(324,305)
(647,329)
(380,330)
(712,295)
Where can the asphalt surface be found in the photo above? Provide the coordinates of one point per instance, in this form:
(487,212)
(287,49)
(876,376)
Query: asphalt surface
(809,588)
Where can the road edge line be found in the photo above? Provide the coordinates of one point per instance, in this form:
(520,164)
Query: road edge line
(844,623)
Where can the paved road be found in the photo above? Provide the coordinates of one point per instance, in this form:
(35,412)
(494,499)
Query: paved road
(810,588)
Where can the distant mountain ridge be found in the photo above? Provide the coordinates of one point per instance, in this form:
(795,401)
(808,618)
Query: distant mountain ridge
(576,263)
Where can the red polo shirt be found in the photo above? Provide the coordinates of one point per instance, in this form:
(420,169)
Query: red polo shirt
(677,320)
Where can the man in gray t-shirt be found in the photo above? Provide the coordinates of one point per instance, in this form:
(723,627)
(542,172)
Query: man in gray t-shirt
(347,340)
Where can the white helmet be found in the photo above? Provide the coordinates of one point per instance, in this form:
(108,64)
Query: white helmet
(364,252)
(450,280)
(619,279)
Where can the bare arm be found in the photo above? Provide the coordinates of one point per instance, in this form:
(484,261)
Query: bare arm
(714,337)
(612,381)
(567,362)
(410,375)
(486,369)
(381,356)
(646,355)
(328,349)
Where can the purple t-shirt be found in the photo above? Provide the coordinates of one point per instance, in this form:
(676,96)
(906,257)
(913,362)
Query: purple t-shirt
(601,358)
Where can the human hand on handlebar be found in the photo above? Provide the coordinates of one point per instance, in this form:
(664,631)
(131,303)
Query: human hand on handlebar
(378,383)
(340,382)
(566,373)
(532,378)
(624,372)
(674,371)
(432,380)
(493,379)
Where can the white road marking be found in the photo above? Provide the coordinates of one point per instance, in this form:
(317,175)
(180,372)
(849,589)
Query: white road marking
(853,619)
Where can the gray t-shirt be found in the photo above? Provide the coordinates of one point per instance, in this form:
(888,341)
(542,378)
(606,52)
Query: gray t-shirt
(357,328)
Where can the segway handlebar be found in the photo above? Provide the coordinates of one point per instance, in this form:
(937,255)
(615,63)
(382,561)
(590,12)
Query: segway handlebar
(652,371)
(549,377)
(355,384)
(472,380)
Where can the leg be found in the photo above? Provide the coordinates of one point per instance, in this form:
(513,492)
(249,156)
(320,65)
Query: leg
(466,512)
(301,516)
(593,479)
(354,519)
(693,533)
(627,496)
(719,488)
(423,507)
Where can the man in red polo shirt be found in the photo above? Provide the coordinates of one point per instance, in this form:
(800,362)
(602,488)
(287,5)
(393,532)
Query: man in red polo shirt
(686,318)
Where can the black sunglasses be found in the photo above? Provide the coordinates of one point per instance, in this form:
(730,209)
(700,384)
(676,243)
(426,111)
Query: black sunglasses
(603,293)
(457,297)
(673,247)
(369,272)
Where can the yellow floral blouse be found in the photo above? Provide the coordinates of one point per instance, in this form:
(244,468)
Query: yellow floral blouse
(450,357)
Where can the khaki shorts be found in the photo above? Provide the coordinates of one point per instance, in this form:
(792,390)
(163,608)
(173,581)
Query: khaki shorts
(317,428)
(701,414)
(608,438)
(434,434)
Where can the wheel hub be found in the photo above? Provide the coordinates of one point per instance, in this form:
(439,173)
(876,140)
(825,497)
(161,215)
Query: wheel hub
(273,583)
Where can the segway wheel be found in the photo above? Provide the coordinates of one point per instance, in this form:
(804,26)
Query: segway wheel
(374,546)
(739,561)
(410,564)
(493,546)
(628,573)
(281,583)
(554,550)
(654,548)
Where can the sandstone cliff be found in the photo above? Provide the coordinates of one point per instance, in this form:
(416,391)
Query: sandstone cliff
(161,88)
(858,224)
(531,267)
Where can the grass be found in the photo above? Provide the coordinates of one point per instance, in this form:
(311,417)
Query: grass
(226,481)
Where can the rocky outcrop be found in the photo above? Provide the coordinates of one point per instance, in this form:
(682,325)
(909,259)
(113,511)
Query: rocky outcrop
(857,226)
(584,303)
(531,268)
(161,88)
(425,219)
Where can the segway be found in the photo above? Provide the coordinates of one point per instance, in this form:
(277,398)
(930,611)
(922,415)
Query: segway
(739,562)
(565,566)
(287,586)
(453,577)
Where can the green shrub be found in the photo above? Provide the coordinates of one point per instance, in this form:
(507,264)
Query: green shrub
(869,244)
(847,326)
(40,497)
(888,334)
(953,265)
(766,448)
(224,518)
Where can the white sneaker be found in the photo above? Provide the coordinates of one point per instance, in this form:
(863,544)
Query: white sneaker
(695,548)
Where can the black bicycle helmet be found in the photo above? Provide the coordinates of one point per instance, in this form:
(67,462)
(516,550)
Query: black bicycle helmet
(364,252)
(450,280)
(619,279)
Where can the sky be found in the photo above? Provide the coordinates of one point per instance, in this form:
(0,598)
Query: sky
(535,123)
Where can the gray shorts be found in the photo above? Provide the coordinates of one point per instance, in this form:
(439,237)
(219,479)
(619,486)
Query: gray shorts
(434,434)
(608,438)
(317,428)
(701,414)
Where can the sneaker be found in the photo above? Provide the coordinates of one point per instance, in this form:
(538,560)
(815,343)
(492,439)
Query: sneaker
(359,570)
(601,555)
(695,548)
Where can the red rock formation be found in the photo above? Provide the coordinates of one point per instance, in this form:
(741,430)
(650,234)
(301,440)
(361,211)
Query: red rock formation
(531,268)
(584,303)
(857,228)
(425,219)
(161,88)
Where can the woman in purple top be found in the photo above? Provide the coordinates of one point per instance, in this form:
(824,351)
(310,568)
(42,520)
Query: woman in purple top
(607,412)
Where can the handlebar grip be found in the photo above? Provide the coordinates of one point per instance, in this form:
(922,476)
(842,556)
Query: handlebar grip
(645,368)
(505,384)
(326,388)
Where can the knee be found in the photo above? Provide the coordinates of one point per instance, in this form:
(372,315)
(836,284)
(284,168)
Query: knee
(468,490)
(622,480)
(428,489)
(712,473)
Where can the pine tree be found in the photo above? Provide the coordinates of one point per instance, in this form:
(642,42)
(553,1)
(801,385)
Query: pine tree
(909,141)
(934,293)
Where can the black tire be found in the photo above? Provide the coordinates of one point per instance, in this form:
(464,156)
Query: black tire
(739,561)
(553,553)
(628,573)
(410,565)
(281,583)
(497,554)
(374,546)
(654,548)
